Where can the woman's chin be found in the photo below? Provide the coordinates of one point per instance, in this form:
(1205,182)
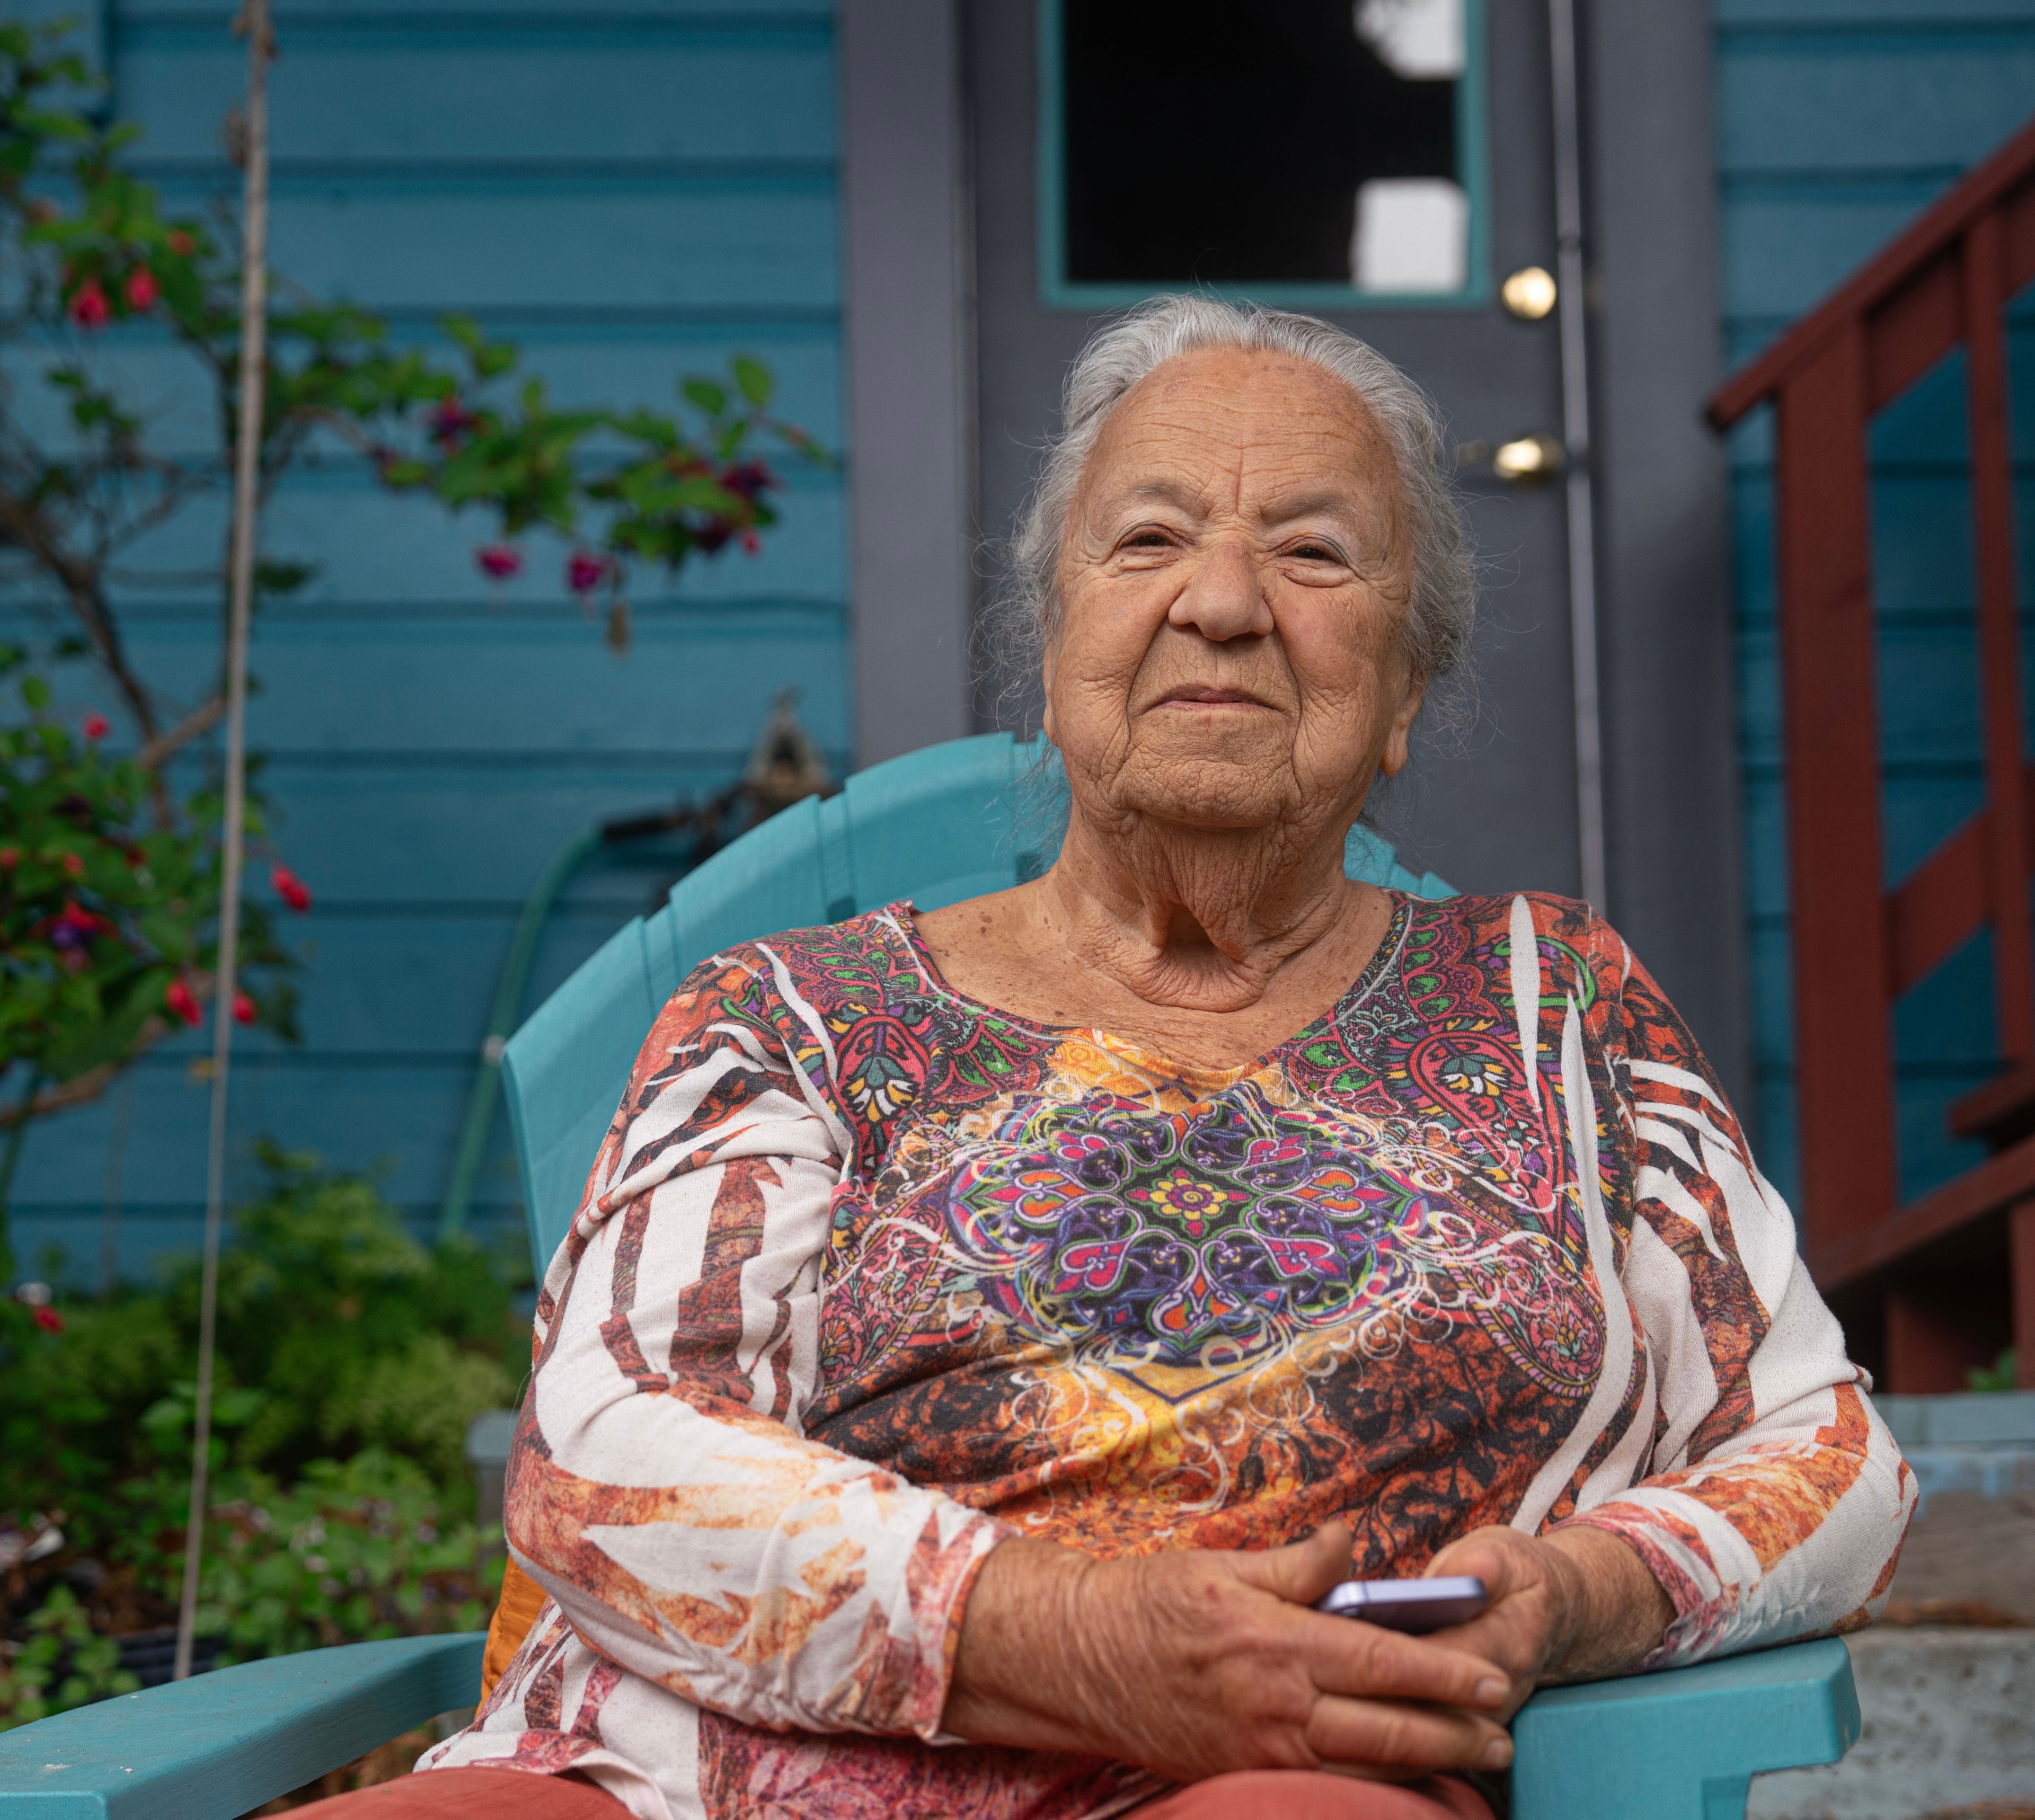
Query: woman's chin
(1213,794)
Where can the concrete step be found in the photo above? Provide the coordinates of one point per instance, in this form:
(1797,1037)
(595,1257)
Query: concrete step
(1949,1731)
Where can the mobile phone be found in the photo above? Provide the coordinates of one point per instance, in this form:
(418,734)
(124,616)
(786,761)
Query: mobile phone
(1413,1605)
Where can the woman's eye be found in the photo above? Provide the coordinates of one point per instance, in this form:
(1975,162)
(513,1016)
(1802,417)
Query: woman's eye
(1316,553)
(1146,540)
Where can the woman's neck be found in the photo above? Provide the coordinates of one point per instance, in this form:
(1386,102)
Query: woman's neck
(1195,920)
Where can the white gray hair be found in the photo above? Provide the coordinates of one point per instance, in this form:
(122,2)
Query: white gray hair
(1441,600)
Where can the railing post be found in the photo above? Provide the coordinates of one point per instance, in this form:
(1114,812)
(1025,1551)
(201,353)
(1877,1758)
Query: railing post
(1842,1041)
(2021,1256)
(1999,641)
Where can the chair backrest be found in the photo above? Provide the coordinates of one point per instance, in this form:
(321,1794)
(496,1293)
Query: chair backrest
(952,821)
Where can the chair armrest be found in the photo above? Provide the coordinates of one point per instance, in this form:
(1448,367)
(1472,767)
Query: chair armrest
(217,1745)
(1684,1744)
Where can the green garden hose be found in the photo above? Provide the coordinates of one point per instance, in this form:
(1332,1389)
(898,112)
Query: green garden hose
(486,1088)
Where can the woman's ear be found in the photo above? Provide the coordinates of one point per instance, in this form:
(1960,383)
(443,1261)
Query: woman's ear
(1046,667)
(1392,761)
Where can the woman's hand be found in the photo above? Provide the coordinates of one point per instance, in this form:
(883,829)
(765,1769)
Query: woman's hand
(1195,1662)
(1573,1605)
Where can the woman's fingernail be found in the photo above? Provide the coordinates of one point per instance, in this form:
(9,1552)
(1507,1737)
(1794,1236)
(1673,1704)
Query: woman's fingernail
(1489,1690)
(1497,1754)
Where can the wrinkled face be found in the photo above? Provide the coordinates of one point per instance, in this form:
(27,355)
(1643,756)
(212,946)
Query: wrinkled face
(1233,582)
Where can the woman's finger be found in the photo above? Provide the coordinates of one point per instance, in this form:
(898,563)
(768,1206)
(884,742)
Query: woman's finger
(1302,1572)
(1494,1556)
(1396,1735)
(1345,1656)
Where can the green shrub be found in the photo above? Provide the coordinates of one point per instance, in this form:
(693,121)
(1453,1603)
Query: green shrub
(352,1552)
(337,1333)
(350,1360)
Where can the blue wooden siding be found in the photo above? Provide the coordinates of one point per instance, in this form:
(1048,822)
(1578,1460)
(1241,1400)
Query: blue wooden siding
(630,194)
(1839,121)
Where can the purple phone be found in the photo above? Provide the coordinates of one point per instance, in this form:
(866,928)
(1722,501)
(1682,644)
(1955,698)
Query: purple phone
(1413,1605)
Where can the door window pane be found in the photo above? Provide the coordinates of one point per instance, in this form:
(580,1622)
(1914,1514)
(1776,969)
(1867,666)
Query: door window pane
(1316,148)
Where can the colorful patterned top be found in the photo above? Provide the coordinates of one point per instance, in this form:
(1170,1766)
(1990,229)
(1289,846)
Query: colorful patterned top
(870,1276)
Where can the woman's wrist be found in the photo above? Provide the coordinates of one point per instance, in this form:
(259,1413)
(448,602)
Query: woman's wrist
(1018,1673)
(1613,1613)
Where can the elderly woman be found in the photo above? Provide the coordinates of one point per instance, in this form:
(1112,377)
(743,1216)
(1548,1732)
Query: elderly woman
(988,1332)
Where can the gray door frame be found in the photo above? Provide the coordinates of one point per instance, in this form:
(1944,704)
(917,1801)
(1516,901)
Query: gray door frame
(909,340)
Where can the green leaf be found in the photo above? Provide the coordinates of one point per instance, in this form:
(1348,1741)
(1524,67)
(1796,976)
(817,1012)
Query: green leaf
(58,125)
(709,397)
(465,331)
(36,692)
(753,377)
(492,360)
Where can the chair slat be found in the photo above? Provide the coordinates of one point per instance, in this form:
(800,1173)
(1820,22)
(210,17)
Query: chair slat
(562,1075)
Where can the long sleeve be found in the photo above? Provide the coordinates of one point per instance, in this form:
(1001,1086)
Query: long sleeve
(1775,1501)
(662,1490)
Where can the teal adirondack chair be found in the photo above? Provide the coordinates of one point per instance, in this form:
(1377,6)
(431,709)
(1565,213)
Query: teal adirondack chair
(949,823)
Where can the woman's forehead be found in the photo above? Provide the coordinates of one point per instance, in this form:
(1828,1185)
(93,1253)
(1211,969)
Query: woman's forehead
(1229,419)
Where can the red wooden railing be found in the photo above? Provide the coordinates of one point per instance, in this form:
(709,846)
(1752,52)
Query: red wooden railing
(1931,1269)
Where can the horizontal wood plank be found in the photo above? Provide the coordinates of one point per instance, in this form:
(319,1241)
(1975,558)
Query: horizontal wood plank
(1868,104)
(618,92)
(564,243)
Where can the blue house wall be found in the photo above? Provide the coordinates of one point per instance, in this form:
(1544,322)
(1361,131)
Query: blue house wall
(629,195)
(1838,122)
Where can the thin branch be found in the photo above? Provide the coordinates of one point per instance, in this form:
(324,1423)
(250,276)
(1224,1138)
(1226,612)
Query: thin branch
(82,1089)
(198,721)
(80,583)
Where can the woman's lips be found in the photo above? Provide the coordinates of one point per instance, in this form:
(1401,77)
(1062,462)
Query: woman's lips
(1193,696)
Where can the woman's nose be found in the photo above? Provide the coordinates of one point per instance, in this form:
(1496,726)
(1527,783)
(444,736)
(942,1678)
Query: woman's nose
(1225,597)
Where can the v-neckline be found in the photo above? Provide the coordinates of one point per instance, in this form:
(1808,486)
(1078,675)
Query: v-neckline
(902,916)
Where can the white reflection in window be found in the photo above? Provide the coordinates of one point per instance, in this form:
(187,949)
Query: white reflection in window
(1412,234)
(1420,40)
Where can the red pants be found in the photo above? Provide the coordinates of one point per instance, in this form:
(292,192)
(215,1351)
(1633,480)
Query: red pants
(476,1794)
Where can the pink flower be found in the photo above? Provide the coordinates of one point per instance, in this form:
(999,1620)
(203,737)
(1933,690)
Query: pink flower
(747,478)
(243,1008)
(752,545)
(88,307)
(177,996)
(181,243)
(585,572)
(49,1320)
(449,422)
(10,857)
(96,727)
(75,927)
(290,888)
(498,561)
(73,863)
(142,290)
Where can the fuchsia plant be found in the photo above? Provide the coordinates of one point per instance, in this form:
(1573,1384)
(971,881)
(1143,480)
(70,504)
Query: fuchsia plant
(88,979)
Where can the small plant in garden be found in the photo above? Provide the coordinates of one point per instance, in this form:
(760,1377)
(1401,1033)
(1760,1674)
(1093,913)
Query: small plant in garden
(2003,1374)
(60,1664)
(86,496)
(357,1549)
